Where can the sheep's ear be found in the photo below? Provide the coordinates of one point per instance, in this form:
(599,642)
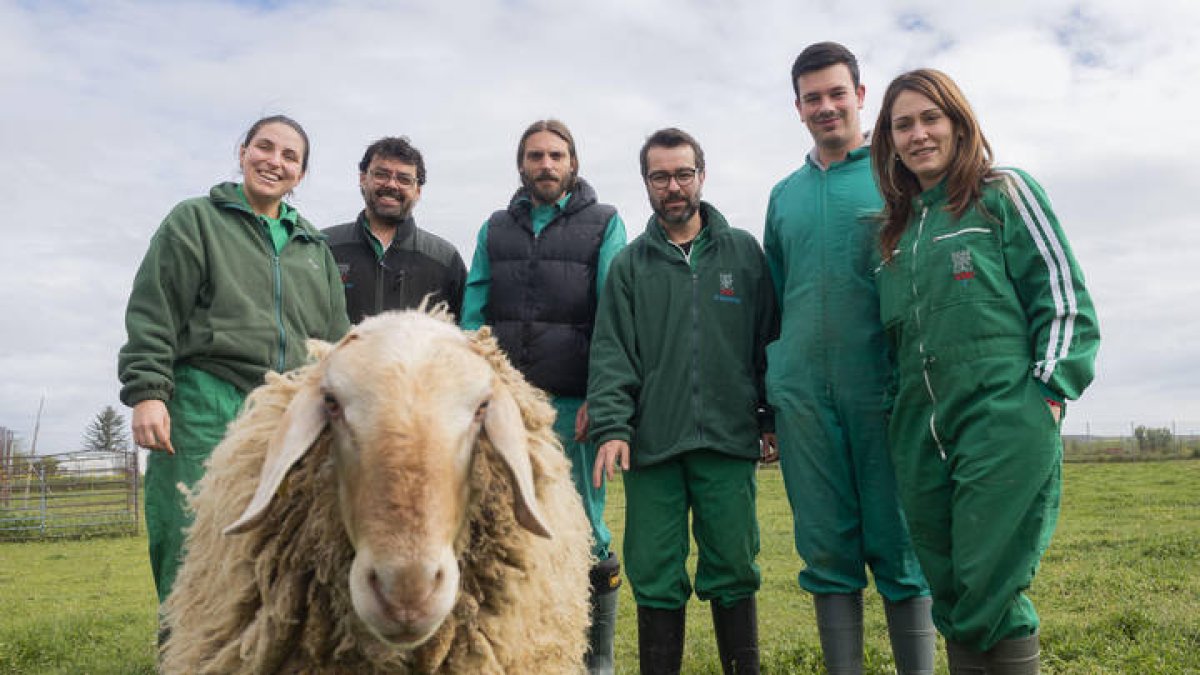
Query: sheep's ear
(299,427)
(506,431)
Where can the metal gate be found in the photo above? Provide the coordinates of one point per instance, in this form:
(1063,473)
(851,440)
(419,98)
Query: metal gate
(74,495)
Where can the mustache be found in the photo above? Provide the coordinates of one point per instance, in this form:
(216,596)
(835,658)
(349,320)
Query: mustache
(388,192)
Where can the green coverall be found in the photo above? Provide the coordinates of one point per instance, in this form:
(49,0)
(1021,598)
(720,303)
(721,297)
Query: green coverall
(988,317)
(828,378)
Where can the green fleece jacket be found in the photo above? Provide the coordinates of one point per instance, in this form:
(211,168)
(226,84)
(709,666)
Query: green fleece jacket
(677,357)
(212,293)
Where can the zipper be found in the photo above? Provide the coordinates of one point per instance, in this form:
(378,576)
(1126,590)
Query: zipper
(926,361)
(278,273)
(380,275)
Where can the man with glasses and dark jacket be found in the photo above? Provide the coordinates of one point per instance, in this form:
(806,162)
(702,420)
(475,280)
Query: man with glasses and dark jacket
(386,261)
(676,400)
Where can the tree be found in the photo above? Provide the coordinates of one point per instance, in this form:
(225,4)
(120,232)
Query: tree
(48,466)
(107,432)
(1151,438)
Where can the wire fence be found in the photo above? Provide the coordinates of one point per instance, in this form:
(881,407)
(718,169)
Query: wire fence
(73,495)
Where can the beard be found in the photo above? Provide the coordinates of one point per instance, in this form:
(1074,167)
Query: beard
(393,214)
(676,209)
(545,187)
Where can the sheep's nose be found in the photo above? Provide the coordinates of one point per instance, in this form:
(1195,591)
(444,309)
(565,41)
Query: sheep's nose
(406,588)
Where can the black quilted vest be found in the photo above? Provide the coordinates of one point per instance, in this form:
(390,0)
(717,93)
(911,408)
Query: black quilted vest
(542,301)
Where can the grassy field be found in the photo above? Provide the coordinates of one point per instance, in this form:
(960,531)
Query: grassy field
(1119,590)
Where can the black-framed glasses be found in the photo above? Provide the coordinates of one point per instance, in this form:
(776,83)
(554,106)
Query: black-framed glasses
(383,177)
(661,179)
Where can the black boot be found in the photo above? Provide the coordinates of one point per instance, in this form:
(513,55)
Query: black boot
(914,639)
(840,627)
(737,636)
(660,640)
(1019,656)
(964,660)
(606,579)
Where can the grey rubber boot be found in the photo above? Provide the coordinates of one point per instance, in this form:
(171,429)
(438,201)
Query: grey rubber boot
(1021,656)
(913,637)
(965,661)
(606,579)
(660,640)
(736,627)
(840,625)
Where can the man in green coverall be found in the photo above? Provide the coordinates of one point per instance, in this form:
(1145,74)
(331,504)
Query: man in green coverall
(676,393)
(538,269)
(828,378)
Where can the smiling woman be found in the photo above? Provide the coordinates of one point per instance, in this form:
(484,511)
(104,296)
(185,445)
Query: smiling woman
(231,287)
(991,330)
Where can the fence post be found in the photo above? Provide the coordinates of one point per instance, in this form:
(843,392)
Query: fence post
(41,469)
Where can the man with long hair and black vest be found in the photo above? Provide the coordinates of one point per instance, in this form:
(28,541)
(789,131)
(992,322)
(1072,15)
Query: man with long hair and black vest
(535,278)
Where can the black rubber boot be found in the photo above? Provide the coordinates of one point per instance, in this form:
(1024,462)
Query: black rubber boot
(660,640)
(606,579)
(1021,656)
(913,637)
(840,625)
(965,661)
(737,636)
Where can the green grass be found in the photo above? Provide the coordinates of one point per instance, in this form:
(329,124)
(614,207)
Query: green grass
(1119,590)
(84,606)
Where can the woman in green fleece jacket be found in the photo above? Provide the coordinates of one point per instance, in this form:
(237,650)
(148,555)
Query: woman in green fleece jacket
(991,330)
(231,287)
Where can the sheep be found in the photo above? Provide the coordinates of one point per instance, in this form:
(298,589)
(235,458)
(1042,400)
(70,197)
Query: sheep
(405,508)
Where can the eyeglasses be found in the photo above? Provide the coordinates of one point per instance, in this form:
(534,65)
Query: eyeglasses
(383,177)
(661,179)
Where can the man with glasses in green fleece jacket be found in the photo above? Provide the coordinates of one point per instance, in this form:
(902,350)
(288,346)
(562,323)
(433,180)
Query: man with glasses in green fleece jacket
(538,268)
(676,400)
(829,376)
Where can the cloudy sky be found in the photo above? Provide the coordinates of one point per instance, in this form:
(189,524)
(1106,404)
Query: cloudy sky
(114,111)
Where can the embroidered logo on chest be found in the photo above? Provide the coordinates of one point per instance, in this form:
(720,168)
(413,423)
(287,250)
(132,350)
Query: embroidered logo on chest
(726,293)
(964,269)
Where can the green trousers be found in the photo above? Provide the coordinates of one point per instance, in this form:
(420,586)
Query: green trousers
(982,516)
(583,457)
(842,489)
(201,409)
(719,492)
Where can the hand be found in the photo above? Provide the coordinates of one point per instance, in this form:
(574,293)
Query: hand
(152,425)
(770,449)
(581,423)
(608,456)
(1055,410)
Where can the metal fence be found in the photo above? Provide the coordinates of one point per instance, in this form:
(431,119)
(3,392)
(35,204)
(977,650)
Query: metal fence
(82,494)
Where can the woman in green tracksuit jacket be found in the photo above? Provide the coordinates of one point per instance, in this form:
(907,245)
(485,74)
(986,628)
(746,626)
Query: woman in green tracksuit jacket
(991,330)
(231,287)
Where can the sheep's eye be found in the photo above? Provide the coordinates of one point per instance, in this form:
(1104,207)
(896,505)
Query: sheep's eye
(481,411)
(332,407)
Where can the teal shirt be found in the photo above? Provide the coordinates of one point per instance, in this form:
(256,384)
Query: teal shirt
(278,229)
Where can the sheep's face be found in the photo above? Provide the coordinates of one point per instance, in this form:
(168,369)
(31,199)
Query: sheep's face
(405,409)
(405,397)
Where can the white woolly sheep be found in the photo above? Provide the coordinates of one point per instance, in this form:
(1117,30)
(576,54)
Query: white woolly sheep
(405,507)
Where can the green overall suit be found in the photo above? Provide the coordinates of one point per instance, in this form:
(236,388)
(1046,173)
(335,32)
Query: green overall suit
(828,377)
(987,317)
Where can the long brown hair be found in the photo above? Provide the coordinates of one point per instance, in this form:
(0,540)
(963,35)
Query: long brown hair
(969,165)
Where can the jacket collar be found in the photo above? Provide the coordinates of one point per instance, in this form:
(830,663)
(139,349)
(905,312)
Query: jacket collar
(404,230)
(581,196)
